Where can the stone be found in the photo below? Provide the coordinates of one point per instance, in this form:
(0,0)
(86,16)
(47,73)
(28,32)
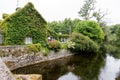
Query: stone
(5,73)
(28,77)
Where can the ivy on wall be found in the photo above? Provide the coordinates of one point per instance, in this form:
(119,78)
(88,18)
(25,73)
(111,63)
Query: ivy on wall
(25,22)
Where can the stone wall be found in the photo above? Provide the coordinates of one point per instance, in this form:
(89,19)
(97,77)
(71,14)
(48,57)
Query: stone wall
(5,73)
(28,77)
(17,57)
(7,51)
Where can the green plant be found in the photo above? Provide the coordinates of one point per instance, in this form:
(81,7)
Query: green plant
(64,46)
(54,45)
(46,51)
(71,44)
(81,43)
(25,22)
(91,29)
(34,47)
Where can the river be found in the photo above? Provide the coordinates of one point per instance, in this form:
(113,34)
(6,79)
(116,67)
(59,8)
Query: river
(76,67)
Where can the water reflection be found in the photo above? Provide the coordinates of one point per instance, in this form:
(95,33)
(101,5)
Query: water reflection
(111,69)
(76,68)
(69,76)
(81,67)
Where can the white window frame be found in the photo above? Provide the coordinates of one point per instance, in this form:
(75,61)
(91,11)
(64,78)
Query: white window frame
(28,40)
(1,38)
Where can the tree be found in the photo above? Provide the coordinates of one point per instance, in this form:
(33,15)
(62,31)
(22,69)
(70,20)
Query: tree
(87,9)
(91,29)
(99,15)
(67,25)
(88,12)
(117,32)
(81,43)
(64,27)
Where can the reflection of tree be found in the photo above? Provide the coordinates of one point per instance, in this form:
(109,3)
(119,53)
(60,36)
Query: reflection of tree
(50,70)
(86,68)
(89,69)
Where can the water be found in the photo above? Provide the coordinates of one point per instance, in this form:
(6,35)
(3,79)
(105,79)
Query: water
(76,68)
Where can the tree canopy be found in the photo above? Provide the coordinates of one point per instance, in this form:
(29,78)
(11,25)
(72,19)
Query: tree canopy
(91,29)
(86,12)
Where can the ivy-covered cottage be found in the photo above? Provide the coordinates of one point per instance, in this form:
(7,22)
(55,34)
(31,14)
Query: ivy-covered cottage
(25,26)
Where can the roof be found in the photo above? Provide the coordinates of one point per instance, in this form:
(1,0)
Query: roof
(29,7)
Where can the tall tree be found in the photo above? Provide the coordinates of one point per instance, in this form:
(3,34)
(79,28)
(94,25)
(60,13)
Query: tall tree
(99,15)
(86,12)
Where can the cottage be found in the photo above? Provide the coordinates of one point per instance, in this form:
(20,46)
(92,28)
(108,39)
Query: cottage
(25,26)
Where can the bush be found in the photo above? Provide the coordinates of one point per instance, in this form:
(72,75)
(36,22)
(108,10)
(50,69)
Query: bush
(45,51)
(81,43)
(54,45)
(34,47)
(91,29)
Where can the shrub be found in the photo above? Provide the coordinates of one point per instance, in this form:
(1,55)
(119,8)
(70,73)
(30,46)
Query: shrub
(81,43)
(71,44)
(91,29)
(54,45)
(64,46)
(34,47)
(45,51)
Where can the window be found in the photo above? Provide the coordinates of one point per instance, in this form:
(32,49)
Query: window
(28,40)
(1,39)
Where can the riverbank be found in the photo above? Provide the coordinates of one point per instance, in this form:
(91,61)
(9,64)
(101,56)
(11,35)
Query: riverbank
(29,59)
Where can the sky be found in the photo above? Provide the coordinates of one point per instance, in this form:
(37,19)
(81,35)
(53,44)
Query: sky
(55,10)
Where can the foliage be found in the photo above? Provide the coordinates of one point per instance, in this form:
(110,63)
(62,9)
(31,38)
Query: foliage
(117,42)
(4,15)
(34,47)
(99,15)
(81,43)
(0,21)
(54,45)
(111,48)
(113,35)
(87,8)
(46,51)
(25,22)
(65,27)
(60,36)
(90,29)
(55,26)
(88,12)
(113,40)
(71,44)
(64,46)
(51,32)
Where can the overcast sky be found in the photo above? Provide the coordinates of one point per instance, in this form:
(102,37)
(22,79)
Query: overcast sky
(59,9)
